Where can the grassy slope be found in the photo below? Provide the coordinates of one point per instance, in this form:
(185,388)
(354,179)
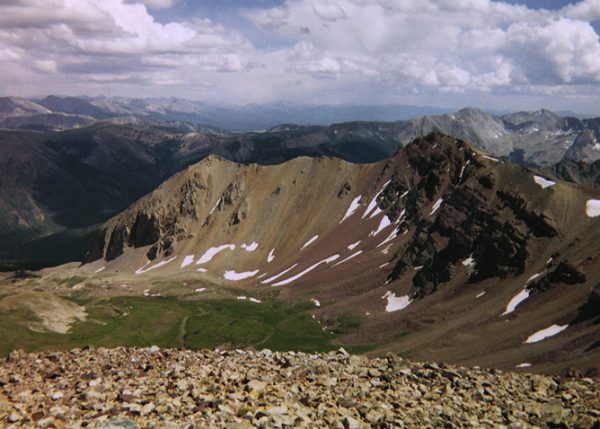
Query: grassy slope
(171,322)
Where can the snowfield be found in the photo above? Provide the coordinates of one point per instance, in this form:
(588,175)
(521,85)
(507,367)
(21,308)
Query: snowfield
(143,269)
(353,207)
(281,274)
(515,301)
(469,262)
(348,258)
(235,276)
(250,247)
(309,242)
(353,245)
(395,303)
(543,182)
(188,260)
(373,202)
(592,208)
(389,238)
(211,252)
(306,271)
(542,334)
(385,222)
(436,206)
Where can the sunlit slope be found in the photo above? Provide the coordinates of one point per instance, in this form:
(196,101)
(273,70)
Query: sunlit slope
(439,251)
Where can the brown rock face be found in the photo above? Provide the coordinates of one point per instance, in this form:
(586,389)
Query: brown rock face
(474,219)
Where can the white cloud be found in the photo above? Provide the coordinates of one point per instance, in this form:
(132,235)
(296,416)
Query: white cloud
(339,50)
(155,4)
(586,10)
(449,44)
(85,42)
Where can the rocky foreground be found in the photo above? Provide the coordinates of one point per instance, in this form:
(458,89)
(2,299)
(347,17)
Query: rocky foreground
(154,388)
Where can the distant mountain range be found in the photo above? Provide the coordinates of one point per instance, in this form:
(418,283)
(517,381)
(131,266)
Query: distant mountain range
(539,138)
(59,113)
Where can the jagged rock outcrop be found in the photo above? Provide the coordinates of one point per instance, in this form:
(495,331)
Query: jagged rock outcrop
(564,273)
(473,220)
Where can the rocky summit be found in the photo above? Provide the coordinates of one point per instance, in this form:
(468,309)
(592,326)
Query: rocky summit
(170,388)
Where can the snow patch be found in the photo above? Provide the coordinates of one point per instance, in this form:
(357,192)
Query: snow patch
(309,242)
(143,269)
(271,255)
(210,253)
(533,277)
(384,265)
(462,171)
(523,365)
(436,206)
(469,262)
(389,238)
(373,202)
(395,303)
(401,217)
(542,334)
(99,270)
(353,207)
(375,212)
(309,269)
(202,270)
(515,301)
(261,276)
(276,276)
(235,276)
(386,250)
(592,208)
(250,247)
(353,245)
(257,301)
(215,206)
(317,302)
(385,222)
(348,258)
(490,158)
(200,289)
(480,294)
(242,298)
(543,182)
(187,261)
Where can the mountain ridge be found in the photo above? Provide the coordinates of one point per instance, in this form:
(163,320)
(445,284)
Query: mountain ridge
(151,152)
(439,232)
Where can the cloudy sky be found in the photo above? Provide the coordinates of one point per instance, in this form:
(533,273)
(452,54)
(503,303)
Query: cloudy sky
(519,54)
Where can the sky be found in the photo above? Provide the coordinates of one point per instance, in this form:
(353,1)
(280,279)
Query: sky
(497,55)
